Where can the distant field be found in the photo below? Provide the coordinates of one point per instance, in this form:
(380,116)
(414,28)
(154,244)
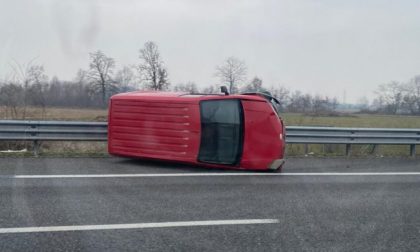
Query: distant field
(295,119)
(351,120)
(68,114)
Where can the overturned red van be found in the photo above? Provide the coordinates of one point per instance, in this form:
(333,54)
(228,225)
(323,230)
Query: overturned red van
(222,131)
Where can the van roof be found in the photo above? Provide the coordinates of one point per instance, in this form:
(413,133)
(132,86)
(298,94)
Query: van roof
(183,96)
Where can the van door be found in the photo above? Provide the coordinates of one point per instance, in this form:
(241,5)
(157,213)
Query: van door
(221,131)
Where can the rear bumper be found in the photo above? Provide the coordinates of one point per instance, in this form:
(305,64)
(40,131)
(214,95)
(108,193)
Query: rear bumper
(276,164)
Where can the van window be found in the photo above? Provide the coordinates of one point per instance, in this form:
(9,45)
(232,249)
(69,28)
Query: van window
(221,131)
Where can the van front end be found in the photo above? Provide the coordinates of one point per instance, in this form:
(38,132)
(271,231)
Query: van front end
(264,141)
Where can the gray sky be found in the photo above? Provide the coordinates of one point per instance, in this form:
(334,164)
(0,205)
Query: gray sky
(317,46)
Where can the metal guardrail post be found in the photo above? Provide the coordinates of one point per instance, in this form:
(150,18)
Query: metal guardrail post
(36,147)
(348,146)
(375,149)
(413,150)
(348,150)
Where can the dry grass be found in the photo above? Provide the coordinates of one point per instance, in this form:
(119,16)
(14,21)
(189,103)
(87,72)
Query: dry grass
(295,119)
(54,148)
(74,148)
(353,120)
(65,114)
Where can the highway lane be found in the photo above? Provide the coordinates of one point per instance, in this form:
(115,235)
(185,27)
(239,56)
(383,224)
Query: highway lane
(123,165)
(314,213)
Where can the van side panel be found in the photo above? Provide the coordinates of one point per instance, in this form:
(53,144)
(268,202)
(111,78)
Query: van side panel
(162,130)
(262,143)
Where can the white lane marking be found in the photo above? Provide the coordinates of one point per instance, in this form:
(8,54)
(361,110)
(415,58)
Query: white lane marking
(137,225)
(208,174)
(352,174)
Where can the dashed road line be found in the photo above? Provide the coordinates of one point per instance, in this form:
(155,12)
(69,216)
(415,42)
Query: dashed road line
(136,226)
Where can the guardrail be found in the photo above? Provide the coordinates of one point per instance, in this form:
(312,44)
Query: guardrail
(37,131)
(350,136)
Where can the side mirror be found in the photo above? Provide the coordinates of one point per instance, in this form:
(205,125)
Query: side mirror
(224,90)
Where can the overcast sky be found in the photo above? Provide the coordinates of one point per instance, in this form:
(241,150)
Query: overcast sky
(317,46)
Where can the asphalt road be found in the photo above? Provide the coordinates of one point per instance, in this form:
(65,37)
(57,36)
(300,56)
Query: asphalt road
(333,212)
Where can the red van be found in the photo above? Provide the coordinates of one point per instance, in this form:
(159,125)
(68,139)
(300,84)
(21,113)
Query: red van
(223,131)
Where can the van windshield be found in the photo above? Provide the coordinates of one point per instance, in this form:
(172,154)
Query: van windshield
(221,131)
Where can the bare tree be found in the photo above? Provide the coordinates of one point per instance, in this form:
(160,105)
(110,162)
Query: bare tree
(254,86)
(212,89)
(377,104)
(38,88)
(282,94)
(323,104)
(300,102)
(100,73)
(411,98)
(81,76)
(152,70)
(392,95)
(363,103)
(232,72)
(398,97)
(36,74)
(189,87)
(296,103)
(11,96)
(125,79)
(26,76)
